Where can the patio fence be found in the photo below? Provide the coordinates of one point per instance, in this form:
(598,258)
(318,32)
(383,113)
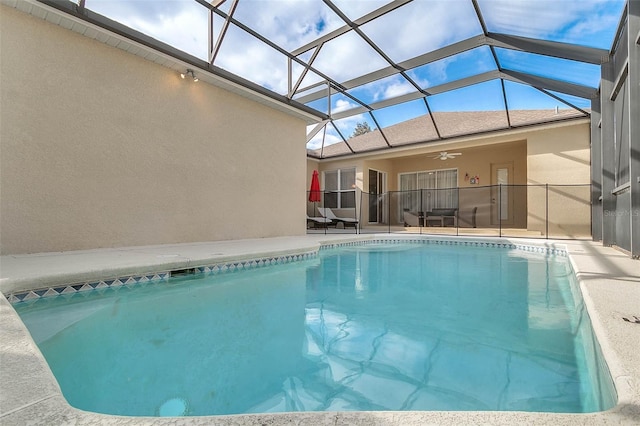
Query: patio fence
(530,211)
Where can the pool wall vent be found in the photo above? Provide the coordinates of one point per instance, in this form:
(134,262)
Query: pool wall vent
(188,271)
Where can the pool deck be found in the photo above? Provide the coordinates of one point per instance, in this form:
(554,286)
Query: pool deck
(29,393)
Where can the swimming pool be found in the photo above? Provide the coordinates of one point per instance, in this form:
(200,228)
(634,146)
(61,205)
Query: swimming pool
(476,328)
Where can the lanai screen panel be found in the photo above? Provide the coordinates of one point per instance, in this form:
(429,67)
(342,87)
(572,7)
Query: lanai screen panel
(528,105)
(179,23)
(350,59)
(409,122)
(482,104)
(426,26)
(589,22)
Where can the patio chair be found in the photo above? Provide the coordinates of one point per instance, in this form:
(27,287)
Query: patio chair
(443,217)
(319,222)
(328,213)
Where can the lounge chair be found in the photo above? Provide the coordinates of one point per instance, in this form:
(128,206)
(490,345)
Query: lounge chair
(413,218)
(319,222)
(328,213)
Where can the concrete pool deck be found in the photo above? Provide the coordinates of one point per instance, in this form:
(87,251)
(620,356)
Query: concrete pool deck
(29,393)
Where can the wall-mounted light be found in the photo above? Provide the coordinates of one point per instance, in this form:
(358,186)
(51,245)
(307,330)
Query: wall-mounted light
(189,73)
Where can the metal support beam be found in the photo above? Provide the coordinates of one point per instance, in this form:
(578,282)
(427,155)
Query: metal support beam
(215,48)
(550,84)
(316,129)
(556,49)
(345,140)
(436,55)
(633,22)
(608,156)
(596,172)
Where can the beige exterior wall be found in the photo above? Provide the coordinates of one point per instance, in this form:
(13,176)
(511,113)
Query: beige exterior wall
(556,153)
(100,148)
(560,157)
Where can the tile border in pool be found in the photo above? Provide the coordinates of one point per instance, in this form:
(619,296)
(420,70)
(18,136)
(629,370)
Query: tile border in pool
(235,265)
(550,251)
(134,280)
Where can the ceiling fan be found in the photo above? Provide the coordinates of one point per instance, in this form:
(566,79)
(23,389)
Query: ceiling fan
(444,155)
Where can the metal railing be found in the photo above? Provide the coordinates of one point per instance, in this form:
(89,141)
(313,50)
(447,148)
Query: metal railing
(531,211)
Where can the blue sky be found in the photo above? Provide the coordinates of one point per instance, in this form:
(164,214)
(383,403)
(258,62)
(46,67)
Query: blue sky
(407,32)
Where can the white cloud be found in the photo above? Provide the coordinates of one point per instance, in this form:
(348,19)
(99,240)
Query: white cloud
(290,23)
(330,138)
(422,26)
(398,88)
(568,21)
(347,125)
(347,57)
(254,60)
(177,23)
(343,105)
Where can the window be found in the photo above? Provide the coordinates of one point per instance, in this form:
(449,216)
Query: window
(424,191)
(340,188)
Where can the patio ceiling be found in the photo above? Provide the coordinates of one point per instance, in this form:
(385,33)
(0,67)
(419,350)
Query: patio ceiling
(385,64)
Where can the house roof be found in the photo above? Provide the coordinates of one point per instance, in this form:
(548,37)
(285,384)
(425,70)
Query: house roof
(421,130)
(337,63)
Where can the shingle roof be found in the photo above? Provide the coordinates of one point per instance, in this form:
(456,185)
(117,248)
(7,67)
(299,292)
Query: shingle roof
(449,124)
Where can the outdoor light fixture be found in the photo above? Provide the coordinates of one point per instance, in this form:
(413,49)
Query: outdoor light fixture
(189,73)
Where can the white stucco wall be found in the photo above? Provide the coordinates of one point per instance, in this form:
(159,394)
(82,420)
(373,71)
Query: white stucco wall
(100,148)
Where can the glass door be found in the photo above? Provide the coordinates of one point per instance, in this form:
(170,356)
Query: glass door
(377,187)
(501,193)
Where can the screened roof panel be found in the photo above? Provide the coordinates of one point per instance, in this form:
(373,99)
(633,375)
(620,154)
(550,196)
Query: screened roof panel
(347,57)
(485,96)
(546,66)
(180,23)
(415,130)
(256,61)
(452,123)
(368,142)
(347,126)
(288,24)
(585,22)
(455,67)
(573,100)
(528,105)
(340,103)
(521,96)
(379,50)
(321,105)
(308,82)
(406,123)
(326,136)
(382,89)
(484,101)
(426,26)
(398,113)
(356,9)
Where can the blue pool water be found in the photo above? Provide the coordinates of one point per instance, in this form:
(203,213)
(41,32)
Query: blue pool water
(370,327)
